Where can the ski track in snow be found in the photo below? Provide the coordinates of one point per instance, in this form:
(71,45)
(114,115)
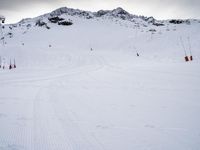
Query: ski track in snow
(54,122)
(50,128)
(68,97)
(45,119)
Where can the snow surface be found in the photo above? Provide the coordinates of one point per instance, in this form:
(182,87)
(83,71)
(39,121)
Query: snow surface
(67,97)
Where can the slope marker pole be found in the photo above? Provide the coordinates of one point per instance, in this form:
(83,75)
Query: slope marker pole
(190,49)
(10,66)
(14,64)
(182,44)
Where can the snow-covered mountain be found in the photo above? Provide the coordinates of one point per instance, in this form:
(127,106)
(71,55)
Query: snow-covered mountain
(105,80)
(115,14)
(107,29)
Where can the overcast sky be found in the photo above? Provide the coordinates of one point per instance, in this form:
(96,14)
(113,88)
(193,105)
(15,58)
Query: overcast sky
(15,10)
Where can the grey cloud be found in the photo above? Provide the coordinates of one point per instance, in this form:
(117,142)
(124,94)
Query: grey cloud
(17,4)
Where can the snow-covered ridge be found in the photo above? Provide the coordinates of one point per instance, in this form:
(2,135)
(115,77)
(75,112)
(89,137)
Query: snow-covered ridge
(68,16)
(118,13)
(115,13)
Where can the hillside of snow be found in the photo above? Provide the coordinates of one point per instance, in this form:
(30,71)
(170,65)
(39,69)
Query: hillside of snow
(79,83)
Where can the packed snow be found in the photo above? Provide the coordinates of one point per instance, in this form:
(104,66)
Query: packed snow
(82,86)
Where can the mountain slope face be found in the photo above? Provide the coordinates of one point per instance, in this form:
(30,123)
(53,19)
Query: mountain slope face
(105,80)
(102,30)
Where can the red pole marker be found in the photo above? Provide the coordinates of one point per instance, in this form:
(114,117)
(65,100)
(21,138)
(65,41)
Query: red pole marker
(191,58)
(186,58)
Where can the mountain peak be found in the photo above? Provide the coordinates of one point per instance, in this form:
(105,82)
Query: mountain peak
(119,10)
(118,13)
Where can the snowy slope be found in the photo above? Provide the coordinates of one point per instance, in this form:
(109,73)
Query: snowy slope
(82,86)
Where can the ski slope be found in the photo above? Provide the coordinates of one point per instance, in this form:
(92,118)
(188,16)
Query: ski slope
(69,97)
